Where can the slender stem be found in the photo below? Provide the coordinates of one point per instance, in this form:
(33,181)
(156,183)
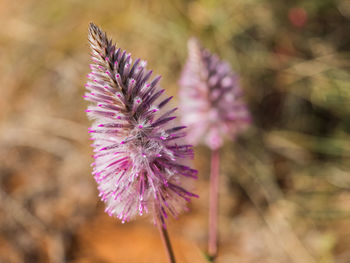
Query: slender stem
(166,241)
(213,205)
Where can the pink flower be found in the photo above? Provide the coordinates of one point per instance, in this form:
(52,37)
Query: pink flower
(211,99)
(139,158)
(297,16)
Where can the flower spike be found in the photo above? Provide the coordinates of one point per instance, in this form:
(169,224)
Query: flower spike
(139,158)
(211,99)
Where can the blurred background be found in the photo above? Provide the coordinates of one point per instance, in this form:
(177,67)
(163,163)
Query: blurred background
(285,182)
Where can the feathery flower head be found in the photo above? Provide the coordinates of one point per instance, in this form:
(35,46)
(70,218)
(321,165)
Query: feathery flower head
(211,98)
(138,158)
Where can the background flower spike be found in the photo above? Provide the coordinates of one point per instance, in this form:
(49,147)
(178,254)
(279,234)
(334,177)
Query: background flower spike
(212,105)
(211,98)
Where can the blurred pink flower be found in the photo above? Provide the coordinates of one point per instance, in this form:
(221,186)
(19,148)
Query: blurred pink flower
(297,16)
(210,98)
(138,158)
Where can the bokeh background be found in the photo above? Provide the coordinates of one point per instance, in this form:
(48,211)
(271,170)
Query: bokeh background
(285,182)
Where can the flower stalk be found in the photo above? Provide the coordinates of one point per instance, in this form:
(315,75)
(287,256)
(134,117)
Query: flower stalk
(166,241)
(214,204)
